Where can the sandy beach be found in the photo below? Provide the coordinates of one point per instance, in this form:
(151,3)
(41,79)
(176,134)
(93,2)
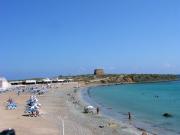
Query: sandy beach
(61,107)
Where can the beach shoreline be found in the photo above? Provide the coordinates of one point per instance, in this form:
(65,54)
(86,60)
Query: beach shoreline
(151,127)
(131,128)
(61,105)
(121,127)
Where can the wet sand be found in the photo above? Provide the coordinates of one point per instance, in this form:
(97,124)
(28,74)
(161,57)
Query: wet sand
(60,106)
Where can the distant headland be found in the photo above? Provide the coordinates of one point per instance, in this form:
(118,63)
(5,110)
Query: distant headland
(99,76)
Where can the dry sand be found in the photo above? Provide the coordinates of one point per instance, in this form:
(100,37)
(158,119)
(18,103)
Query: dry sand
(58,106)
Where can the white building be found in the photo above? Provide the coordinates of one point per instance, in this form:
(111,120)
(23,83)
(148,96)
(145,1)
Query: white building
(4,84)
(16,82)
(30,82)
(57,80)
(46,80)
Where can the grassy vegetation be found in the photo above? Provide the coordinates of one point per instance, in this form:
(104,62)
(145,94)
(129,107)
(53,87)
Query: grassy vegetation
(126,78)
(120,78)
(151,77)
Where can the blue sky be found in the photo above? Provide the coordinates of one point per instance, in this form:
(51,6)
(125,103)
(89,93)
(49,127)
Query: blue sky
(54,37)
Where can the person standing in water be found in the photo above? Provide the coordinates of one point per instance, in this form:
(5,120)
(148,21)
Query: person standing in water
(129,115)
(97,109)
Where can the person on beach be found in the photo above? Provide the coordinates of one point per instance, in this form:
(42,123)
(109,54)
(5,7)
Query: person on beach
(10,100)
(97,109)
(144,133)
(18,93)
(129,115)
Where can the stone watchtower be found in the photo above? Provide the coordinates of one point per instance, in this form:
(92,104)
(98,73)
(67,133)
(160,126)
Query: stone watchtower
(99,72)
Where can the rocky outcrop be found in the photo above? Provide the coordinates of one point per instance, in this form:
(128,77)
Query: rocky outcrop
(167,115)
(99,77)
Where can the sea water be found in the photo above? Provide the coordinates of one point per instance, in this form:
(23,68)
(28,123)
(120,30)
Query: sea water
(146,102)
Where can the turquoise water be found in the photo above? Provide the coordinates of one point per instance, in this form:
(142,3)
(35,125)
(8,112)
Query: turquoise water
(146,102)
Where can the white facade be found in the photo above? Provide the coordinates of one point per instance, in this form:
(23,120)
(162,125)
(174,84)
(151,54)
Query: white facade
(57,80)
(30,81)
(4,84)
(46,80)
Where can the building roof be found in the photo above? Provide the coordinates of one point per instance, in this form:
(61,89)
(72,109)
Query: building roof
(4,84)
(3,78)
